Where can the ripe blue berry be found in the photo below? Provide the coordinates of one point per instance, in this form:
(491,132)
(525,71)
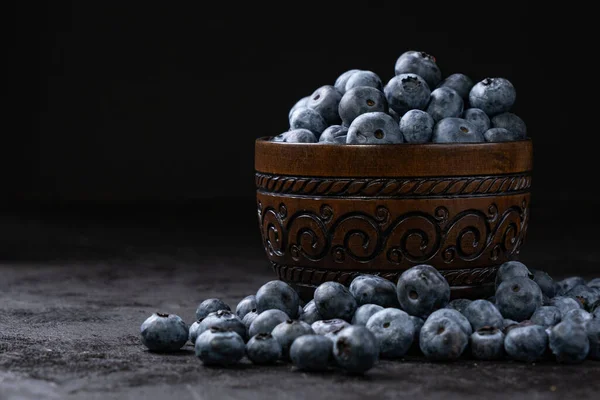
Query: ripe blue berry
(263,349)
(217,346)
(340,82)
(279,295)
(310,313)
(334,300)
(594,283)
(307,118)
(421,290)
(210,305)
(325,100)
(374,128)
(546,316)
(493,95)
(334,134)
(459,318)
(164,332)
(512,123)
(459,82)
(585,295)
(296,136)
(193,331)
(569,342)
(593,332)
(246,305)
(419,63)
(482,313)
(563,286)
(311,352)
(361,100)
(287,331)
(578,316)
(417,126)
(373,289)
(266,321)
(456,130)
(564,304)
(526,343)
(442,339)
(512,269)
(444,103)
(407,92)
(478,118)
(487,344)
(248,318)
(355,349)
(459,304)
(517,298)
(364,78)
(545,282)
(500,135)
(323,327)
(364,312)
(394,331)
(225,320)
(299,104)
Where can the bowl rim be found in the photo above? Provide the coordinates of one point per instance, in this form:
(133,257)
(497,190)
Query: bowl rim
(465,144)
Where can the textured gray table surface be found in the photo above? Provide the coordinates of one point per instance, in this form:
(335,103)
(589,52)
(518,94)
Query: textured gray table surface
(73,295)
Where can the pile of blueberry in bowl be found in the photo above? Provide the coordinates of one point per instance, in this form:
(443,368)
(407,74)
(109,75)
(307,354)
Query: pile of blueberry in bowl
(414,106)
(531,317)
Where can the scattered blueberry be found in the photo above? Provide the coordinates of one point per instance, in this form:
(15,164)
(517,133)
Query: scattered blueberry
(512,123)
(364,78)
(394,114)
(193,331)
(394,331)
(442,339)
(323,327)
(593,332)
(585,295)
(526,343)
(225,320)
(493,95)
(481,313)
(456,130)
(563,286)
(487,343)
(594,283)
(266,321)
(334,300)
(569,342)
(263,349)
(361,100)
(164,332)
(417,324)
(546,316)
(517,298)
(335,134)
(545,282)
(455,315)
(444,103)
(311,352)
(564,304)
(299,104)
(296,136)
(478,118)
(507,323)
(374,128)
(373,289)
(364,312)
(246,305)
(340,82)
(417,126)
(459,82)
(279,295)
(512,269)
(310,313)
(419,63)
(210,305)
(500,135)
(407,92)
(248,318)
(217,346)
(325,100)
(459,304)
(578,316)
(355,349)
(307,118)
(287,331)
(421,290)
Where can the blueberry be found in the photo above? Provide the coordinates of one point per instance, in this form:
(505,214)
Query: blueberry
(493,95)
(296,136)
(374,128)
(279,295)
(517,298)
(421,290)
(193,331)
(311,352)
(546,316)
(225,320)
(442,339)
(526,343)
(334,300)
(444,103)
(499,135)
(394,331)
(217,346)
(394,114)
(511,122)
(307,118)
(578,316)
(287,331)
(459,82)
(266,321)
(417,324)
(420,63)
(407,92)
(459,305)
(594,283)
(545,282)
(248,318)
(323,327)
(512,269)
(596,311)
(482,313)
(326,100)
(593,333)
(340,82)
(478,118)
(487,343)
(164,332)
(299,104)
(585,295)
(569,342)
(459,318)
(563,286)
(355,349)
(364,78)
(335,134)
(361,100)
(210,305)
(263,349)
(564,304)
(364,312)
(246,305)
(417,126)
(508,323)
(456,130)
(310,313)
(373,289)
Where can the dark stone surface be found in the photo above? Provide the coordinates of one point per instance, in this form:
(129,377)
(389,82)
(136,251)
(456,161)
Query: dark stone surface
(75,287)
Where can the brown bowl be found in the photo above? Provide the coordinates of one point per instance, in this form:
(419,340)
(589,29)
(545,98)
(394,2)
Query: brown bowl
(330,212)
